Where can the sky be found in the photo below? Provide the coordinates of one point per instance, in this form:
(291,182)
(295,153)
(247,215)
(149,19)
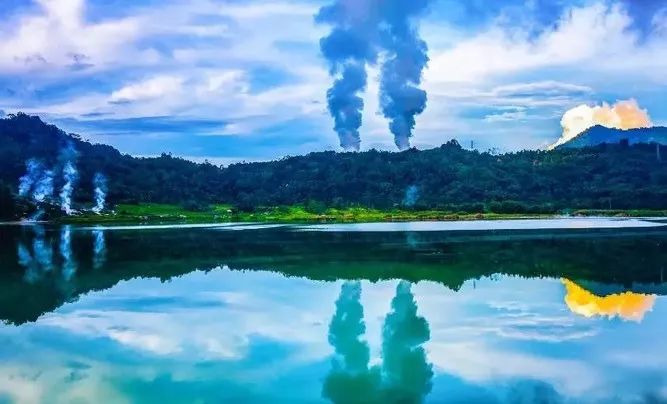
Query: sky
(228,80)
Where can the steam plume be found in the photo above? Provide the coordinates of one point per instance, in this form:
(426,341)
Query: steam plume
(348,48)
(43,189)
(28,180)
(70,175)
(400,96)
(411,196)
(100,184)
(622,115)
(361,29)
(405,367)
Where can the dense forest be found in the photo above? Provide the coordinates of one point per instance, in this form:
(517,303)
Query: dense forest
(617,176)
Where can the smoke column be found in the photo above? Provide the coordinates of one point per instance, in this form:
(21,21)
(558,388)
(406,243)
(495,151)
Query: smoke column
(348,48)
(411,196)
(43,189)
(70,175)
(69,266)
(406,57)
(26,182)
(99,249)
(360,30)
(622,115)
(407,373)
(350,379)
(100,184)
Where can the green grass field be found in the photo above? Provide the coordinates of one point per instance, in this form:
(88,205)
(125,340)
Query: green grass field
(158,213)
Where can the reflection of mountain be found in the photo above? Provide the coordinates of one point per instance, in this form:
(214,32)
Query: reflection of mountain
(626,305)
(582,256)
(407,373)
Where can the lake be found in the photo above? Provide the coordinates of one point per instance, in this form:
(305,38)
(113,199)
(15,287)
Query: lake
(547,311)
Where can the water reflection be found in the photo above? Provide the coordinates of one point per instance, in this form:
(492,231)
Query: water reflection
(626,305)
(405,373)
(69,264)
(189,313)
(350,379)
(99,249)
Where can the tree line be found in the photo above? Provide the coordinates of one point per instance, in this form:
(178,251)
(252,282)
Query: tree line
(607,176)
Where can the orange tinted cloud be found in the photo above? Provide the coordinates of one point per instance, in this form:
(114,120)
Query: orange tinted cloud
(622,115)
(628,305)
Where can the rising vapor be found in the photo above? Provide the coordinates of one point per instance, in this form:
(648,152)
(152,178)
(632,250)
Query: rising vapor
(406,57)
(349,47)
(100,192)
(622,115)
(67,158)
(30,178)
(362,30)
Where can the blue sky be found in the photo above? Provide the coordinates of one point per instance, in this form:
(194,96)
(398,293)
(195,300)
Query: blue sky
(244,80)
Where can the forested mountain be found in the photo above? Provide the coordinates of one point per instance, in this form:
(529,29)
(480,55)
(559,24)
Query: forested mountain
(619,176)
(600,134)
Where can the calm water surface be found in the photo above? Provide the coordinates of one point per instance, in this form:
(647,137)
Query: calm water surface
(545,311)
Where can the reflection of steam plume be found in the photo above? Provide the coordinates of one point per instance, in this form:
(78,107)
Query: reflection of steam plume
(100,184)
(69,266)
(99,249)
(406,372)
(400,96)
(622,115)
(43,252)
(350,379)
(70,175)
(27,261)
(38,260)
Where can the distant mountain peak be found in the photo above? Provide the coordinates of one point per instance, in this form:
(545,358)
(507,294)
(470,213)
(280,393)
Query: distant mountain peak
(601,134)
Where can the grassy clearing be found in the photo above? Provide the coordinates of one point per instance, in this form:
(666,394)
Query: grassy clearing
(158,213)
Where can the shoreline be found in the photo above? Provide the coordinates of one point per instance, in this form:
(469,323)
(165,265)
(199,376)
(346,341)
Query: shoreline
(154,214)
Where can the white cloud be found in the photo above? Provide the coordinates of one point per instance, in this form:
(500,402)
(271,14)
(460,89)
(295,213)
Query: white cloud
(156,87)
(57,36)
(589,34)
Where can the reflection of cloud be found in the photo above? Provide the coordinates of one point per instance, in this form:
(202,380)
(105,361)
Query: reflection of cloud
(477,362)
(405,368)
(628,305)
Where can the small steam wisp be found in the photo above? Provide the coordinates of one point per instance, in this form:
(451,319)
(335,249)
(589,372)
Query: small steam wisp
(70,174)
(100,193)
(622,115)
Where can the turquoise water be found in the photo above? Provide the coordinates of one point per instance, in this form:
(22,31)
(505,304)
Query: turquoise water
(345,314)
